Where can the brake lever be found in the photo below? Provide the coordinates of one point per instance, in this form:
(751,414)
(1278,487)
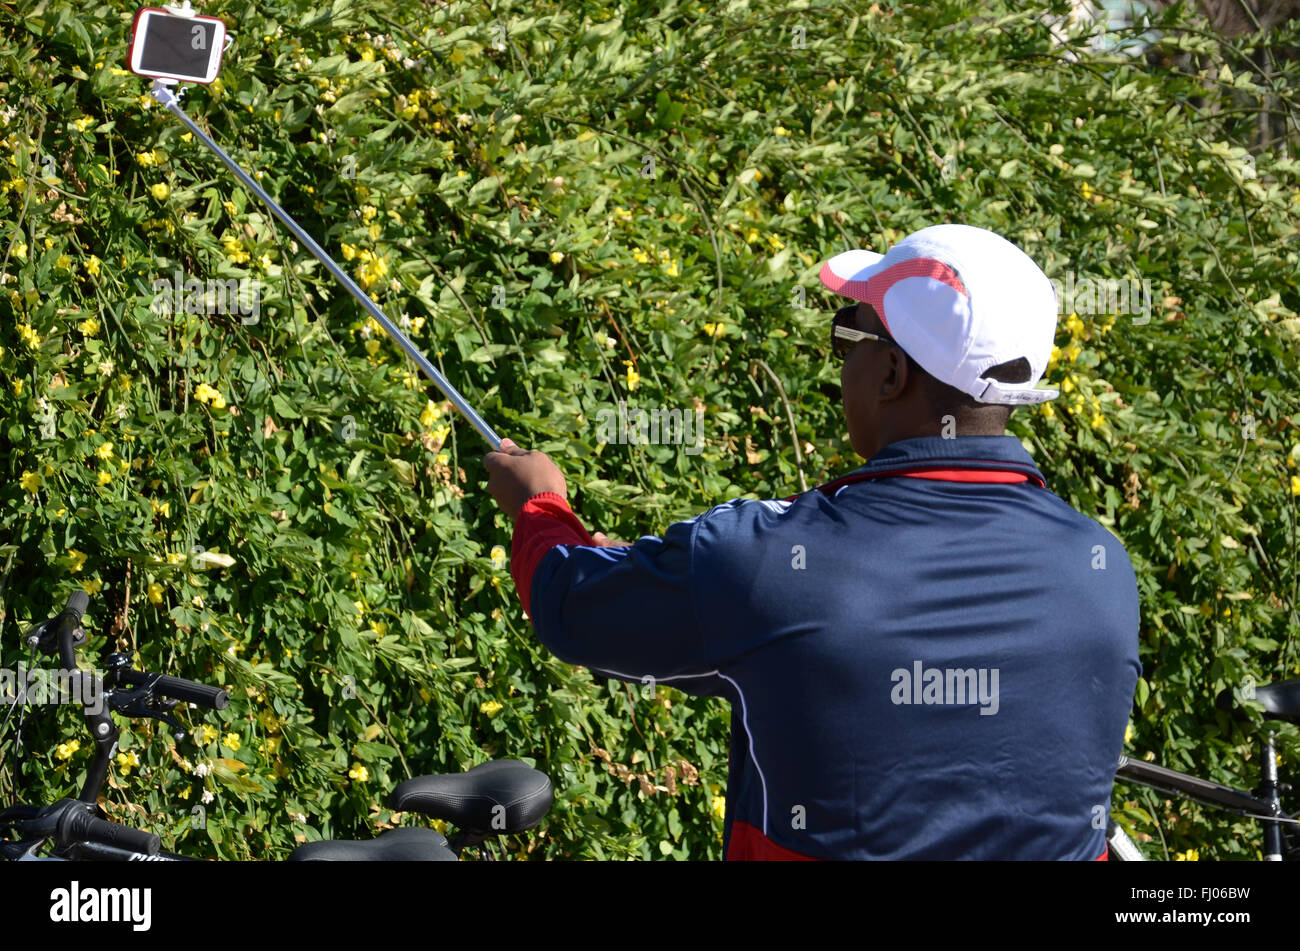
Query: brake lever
(44,636)
(140,701)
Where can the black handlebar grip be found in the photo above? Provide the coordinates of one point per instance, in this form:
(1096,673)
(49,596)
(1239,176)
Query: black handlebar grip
(178,688)
(78,601)
(79,826)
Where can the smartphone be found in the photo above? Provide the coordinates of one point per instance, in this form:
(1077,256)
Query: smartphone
(184,48)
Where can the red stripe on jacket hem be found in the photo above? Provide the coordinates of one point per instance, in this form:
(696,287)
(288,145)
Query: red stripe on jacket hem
(750,845)
(544,522)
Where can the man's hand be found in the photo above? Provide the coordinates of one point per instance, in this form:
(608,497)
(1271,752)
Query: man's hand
(515,475)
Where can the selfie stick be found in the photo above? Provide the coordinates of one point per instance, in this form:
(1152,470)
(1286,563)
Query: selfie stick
(171,99)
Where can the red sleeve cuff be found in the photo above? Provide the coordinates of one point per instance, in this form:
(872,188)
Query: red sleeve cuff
(544,522)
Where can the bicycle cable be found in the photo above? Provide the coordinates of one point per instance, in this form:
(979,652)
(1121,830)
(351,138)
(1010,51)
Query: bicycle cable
(1290,820)
(19,692)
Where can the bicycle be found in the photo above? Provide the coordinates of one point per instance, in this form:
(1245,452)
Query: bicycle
(499,797)
(1281,701)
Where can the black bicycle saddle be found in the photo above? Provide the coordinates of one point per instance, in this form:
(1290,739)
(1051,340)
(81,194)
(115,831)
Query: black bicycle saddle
(501,796)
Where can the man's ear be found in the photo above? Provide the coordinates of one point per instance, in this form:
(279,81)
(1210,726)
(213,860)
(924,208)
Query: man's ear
(894,381)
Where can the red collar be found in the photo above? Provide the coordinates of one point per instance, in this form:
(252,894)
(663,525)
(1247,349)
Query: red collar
(946,473)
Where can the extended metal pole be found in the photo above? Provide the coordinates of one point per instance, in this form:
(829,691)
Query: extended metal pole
(164,94)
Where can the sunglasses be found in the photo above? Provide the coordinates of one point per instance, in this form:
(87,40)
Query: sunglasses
(843,336)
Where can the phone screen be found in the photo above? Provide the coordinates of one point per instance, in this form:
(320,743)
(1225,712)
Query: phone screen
(177,47)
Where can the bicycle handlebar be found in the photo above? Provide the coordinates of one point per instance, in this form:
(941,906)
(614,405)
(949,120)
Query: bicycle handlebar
(77,825)
(76,605)
(177,688)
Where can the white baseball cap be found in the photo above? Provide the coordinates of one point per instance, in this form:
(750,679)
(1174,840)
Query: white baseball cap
(958,300)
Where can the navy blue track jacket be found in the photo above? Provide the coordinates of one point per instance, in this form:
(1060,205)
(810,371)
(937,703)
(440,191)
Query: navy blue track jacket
(933,657)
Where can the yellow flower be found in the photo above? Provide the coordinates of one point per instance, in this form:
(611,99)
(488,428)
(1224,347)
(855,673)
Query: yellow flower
(78,559)
(443,458)
(1074,325)
(751,236)
(63,262)
(715,330)
(490,707)
(31,482)
(155,592)
(184,793)
(457,57)
(781,130)
(231,740)
(230,207)
(29,336)
(105,450)
(1295,485)
(1067,385)
(359,773)
(233,249)
(204,393)
(672,270)
(84,123)
(209,733)
(163,508)
(775,242)
(1128,733)
(557,257)
(1191,855)
(1048,411)
(105,477)
(160,191)
(65,750)
(125,761)
(633,378)
(430,414)
(373,268)
(498,557)
(89,326)
(92,587)
(92,268)
(1097,421)
(718,806)
(640,256)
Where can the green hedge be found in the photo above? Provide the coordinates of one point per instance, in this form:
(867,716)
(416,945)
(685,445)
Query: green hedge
(572,204)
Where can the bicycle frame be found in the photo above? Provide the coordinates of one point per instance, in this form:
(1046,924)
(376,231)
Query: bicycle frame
(1266,806)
